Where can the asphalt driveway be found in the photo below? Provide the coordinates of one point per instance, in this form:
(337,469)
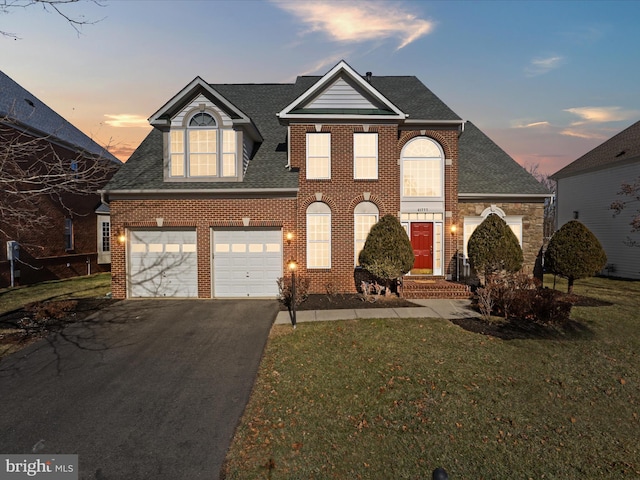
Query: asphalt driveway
(147,389)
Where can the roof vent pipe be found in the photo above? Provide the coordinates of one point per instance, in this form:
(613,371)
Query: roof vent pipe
(368,77)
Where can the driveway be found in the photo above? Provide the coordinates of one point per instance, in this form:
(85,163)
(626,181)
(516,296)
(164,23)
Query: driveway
(145,389)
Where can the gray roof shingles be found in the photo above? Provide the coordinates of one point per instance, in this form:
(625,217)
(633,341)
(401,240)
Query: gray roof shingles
(623,147)
(484,167)
(19,105)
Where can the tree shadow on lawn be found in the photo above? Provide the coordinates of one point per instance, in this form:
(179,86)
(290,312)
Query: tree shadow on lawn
(526,329)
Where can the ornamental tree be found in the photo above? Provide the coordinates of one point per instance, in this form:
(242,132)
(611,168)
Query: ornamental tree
(493,247)
(574,252)
(387,252)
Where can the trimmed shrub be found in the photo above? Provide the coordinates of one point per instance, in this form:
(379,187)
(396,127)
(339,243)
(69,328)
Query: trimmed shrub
(574,252)
(387,252)
(493,247)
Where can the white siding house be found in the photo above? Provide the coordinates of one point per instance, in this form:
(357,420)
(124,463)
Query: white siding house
(587,188)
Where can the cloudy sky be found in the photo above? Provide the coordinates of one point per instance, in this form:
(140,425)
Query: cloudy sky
(548,81)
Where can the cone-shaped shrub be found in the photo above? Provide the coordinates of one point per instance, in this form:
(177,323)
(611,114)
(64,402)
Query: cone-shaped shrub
(493,247)
(387,252)
(574,252)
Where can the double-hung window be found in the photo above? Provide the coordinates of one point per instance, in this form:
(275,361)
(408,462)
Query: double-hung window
(318,235)
(365,156)
(318,156)
(195,151)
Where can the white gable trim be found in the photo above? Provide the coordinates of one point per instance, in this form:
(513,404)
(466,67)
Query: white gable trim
(190,92)
(341,69)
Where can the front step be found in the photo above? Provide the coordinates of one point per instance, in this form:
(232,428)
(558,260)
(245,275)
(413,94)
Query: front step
(433,288)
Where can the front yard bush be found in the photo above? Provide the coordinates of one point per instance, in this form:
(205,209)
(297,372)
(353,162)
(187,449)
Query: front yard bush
(574,252)
(494,248)
(520,297)
(285,293)
(387,252)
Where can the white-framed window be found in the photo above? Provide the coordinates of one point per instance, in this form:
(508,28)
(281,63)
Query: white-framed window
(318,235)
(514,222)
(422,169)
(105,233)
(365,156)
(104,239)
(365,216)
(318,156)
(194,151)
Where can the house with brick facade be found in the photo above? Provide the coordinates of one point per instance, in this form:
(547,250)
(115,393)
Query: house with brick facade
(237,180)
(61,228)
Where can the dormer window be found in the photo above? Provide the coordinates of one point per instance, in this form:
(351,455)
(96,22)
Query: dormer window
(203,149)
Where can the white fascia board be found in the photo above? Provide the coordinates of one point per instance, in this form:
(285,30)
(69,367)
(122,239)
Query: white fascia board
(342,66)
(203,191)
(344,116)
(476,196)
(415,121)
(155,119)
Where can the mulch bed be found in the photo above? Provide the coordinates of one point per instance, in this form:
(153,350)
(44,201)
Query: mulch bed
(526,329)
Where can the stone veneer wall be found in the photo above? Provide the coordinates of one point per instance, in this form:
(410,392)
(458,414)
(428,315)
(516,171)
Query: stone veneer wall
(532,224)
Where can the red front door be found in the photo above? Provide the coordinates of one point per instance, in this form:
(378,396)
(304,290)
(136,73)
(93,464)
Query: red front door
(422,243)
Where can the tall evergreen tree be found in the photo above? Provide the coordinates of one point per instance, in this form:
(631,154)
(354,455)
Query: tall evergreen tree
(387,252)
(493,247)
(574,252)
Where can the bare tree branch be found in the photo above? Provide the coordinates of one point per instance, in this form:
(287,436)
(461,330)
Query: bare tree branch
(549,225)
(631,192)
(51,6)
(38,173)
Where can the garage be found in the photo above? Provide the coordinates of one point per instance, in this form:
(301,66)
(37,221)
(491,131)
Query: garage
(246,263)
(162,263)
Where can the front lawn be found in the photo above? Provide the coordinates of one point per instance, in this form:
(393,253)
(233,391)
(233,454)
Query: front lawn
(97,285)
(397,398)
(29,313)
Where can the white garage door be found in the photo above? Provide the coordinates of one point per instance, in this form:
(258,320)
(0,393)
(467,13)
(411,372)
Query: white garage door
(162,263)
(246,263)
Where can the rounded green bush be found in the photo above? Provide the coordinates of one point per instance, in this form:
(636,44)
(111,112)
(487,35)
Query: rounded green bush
(574,252)
(493,247)
(387,252)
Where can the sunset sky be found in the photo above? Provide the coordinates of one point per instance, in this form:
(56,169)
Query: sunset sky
(547,81)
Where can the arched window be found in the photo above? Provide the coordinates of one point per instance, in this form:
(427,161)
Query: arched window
(422,169)
(365,216)
(195,150)
(318,235)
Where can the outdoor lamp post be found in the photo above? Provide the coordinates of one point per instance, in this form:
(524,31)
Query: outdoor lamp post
(292,266)
(454,229)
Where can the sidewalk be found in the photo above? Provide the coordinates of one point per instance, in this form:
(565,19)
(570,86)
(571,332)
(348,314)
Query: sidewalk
(446,309)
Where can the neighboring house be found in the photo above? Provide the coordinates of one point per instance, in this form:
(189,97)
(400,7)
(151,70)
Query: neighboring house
(71,241)
(236,180)
(588,186)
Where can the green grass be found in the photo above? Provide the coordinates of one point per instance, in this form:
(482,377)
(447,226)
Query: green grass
(397,398)
(88,286)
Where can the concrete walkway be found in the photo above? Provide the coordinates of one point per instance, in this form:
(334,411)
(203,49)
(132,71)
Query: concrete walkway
(447,309)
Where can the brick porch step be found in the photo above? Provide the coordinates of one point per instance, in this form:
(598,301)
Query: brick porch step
(434,288)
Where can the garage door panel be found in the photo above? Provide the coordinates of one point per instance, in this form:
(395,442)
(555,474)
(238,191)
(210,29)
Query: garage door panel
(246,263)
(163,263)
